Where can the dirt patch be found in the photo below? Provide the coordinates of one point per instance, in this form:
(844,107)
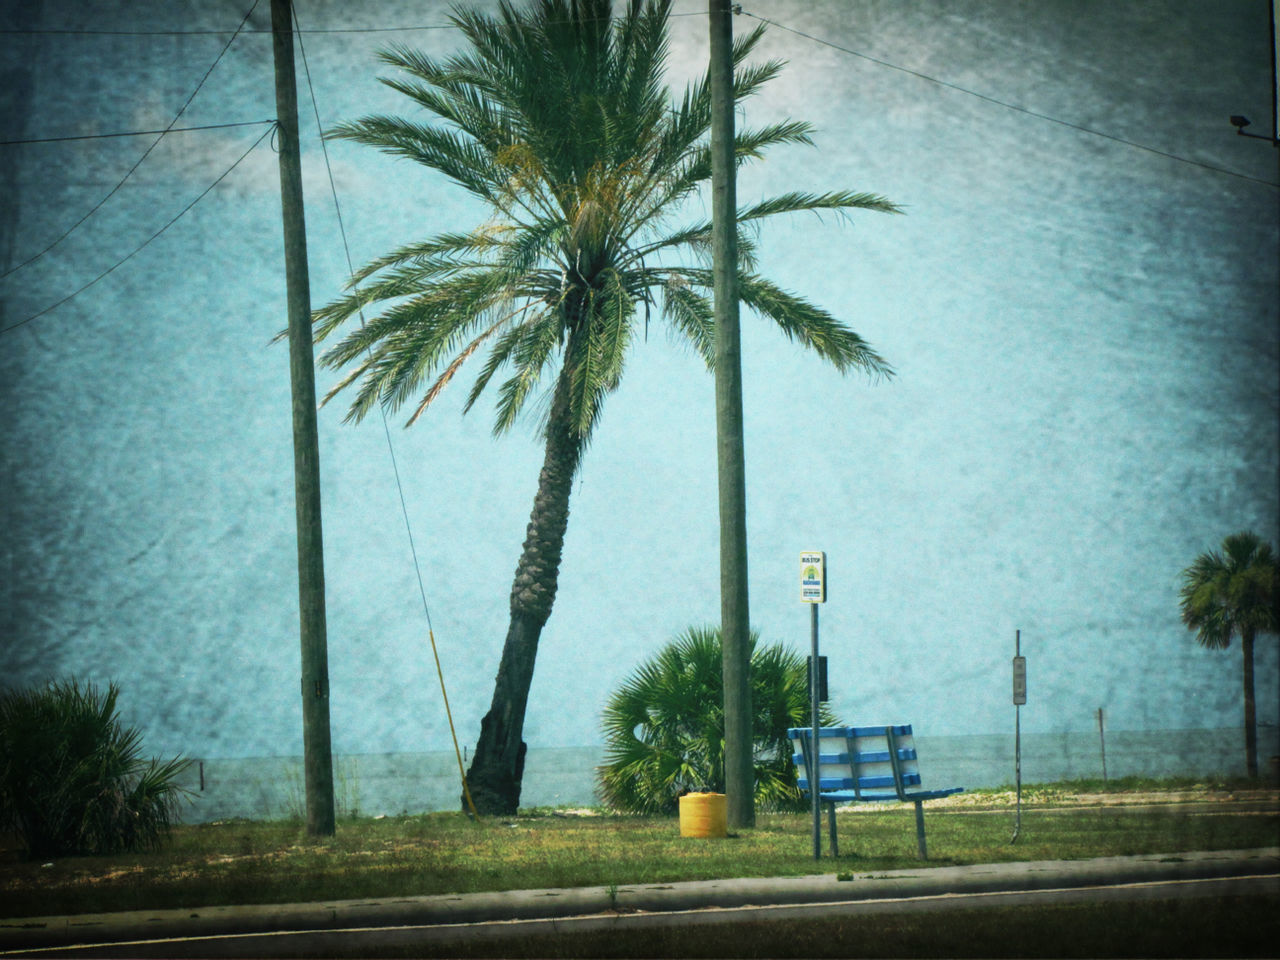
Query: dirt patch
(1040,798)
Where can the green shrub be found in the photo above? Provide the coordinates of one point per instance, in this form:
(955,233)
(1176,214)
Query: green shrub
(664,727)
(71,779)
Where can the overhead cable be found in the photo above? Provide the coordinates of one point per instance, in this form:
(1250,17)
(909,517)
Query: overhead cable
(181,110)
(137,133)
(68,32)
(386,429)
(1010,106)
(212,33)
(138,249)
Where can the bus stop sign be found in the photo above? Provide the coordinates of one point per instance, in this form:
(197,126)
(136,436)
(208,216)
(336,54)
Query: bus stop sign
(813,577)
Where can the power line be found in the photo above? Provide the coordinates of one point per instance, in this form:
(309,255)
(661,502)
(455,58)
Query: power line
(181,110)
(738,9)
(259,31)
(144,244)
(215,33)
(342,231)
(1010,106)
(137,133)
(800,33)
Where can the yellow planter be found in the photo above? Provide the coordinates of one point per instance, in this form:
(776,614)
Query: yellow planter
(703,815)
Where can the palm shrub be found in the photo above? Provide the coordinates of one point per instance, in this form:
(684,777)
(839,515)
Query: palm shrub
(664,727)
(71,778)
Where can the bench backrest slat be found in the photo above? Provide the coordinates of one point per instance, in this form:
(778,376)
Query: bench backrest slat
(857,758)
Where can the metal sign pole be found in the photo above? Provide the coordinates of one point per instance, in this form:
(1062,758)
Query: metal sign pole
(1102,739)
(815,782)
(813,591)
(1019,698)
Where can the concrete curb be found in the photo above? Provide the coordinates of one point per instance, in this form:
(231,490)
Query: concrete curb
(34,933)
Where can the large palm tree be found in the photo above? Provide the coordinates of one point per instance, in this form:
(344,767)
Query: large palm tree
(557,118)
(1231,592)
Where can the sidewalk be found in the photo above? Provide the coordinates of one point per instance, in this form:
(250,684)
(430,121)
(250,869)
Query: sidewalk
(35,933)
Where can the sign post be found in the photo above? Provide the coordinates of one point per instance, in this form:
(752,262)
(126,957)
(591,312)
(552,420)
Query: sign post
(1019,698)
(813,591)
(1102,739)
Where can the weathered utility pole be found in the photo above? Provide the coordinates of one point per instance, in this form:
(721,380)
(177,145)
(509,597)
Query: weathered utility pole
(739,773)
(317,751)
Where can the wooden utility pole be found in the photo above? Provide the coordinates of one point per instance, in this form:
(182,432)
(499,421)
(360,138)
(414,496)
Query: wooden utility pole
(317,752)
(734,615)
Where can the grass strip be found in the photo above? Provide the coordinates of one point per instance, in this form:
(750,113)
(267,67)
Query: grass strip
(249,862)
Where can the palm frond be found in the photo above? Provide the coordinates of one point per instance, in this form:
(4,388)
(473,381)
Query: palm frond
(442,247)
(456,364)
(805,323)
(691,314)
(1232,591)
(812,327)
(599,370)
(458,158)
(839,201)
(410,340)
(529,350)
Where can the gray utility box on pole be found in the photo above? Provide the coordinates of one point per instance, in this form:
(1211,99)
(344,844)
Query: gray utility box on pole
(822,679)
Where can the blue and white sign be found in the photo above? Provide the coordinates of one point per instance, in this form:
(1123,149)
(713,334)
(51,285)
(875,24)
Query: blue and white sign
(813,577)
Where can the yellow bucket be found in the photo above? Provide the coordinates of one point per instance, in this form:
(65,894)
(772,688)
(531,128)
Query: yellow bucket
(703,815)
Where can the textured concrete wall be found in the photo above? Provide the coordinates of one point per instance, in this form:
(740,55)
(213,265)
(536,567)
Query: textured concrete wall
(1085,335)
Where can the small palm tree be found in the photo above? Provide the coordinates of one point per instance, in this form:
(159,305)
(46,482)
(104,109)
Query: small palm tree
(558,120)
(664,727)
(71,777)
(1231,592)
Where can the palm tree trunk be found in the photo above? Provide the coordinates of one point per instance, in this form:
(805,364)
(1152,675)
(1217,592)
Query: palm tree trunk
(498,766)
(1250,711)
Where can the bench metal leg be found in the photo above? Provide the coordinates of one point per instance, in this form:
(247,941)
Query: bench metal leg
(831,829)
(924,853)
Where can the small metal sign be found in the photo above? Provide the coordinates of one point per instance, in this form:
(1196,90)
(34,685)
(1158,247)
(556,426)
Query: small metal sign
(813,577)
(1019,681)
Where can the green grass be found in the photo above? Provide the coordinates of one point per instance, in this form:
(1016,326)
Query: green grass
(1063,789)
(262,862)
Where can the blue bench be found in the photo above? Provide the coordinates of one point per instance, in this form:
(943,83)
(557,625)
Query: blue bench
(858,764)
